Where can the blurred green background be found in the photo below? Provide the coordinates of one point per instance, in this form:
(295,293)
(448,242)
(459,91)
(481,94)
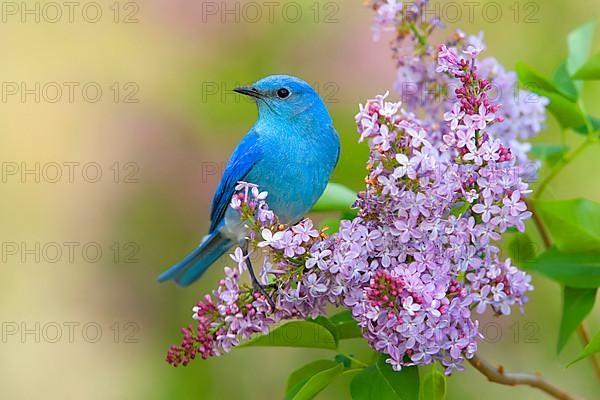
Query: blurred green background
(170,124)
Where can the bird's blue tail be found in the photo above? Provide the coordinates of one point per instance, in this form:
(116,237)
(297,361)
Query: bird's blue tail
(194,264)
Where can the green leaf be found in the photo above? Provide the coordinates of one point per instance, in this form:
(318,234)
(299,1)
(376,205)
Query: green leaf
(563,82)
(380,382)
(335,198)
(308,334)
(432,383)
(567,113)
(327,324)
(353,371)
(346,326)
(522,249)
(306,382)
(579,43)
(305,372)
(550,153)
(590,71)
(533,81)
(578,270)
(577,304)
(574,225)
(592,348)
(583,129)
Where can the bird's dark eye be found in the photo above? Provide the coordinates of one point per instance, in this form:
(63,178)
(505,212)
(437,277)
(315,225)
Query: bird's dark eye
(283,93)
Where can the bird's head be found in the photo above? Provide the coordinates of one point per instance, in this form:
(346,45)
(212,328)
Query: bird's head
(284,96)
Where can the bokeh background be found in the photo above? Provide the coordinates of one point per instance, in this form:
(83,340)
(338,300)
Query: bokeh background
(91,326)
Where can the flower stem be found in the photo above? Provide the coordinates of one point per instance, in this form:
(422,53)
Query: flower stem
(563,136)
(588,122)
(560,166)
(420,38)
(355,360)
(499,375)
(539,225)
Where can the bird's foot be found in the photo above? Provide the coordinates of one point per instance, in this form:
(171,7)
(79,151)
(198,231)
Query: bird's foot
(258,288)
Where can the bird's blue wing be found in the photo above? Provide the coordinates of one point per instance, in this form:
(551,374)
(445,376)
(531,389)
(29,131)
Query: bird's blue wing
(246,154)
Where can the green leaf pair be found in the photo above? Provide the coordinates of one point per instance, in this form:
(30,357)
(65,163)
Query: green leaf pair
(320,333)
(563,104)
(573,261)
(376,381)
(564,90)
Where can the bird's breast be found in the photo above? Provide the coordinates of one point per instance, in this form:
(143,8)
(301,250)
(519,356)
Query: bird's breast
(294,170)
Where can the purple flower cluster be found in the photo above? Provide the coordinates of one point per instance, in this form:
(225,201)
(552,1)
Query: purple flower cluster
(423,90)
(290,273)
(436,211)
(234,313)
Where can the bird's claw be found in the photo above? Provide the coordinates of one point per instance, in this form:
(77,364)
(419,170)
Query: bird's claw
(258,288)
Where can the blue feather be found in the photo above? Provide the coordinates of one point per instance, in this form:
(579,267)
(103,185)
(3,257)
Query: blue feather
(245,155)
(197,262)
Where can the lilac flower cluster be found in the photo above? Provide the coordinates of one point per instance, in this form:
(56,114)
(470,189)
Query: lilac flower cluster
(232,314)
(423,90)
(235,311)
(436,211)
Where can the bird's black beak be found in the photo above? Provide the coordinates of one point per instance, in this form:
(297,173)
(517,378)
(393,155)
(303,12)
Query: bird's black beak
(248,91)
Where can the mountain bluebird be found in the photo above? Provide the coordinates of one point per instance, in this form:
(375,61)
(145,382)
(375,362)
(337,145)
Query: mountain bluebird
(290,152)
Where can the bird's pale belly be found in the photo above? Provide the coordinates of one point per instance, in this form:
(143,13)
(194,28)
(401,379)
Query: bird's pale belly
(292,191)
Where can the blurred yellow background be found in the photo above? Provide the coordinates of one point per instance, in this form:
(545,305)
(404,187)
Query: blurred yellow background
(116,121)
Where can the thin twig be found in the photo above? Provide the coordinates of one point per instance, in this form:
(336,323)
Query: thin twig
(499,375)
(356,360)
(539,224)
(585,339)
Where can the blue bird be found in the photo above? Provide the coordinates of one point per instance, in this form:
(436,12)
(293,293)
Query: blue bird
(290,152)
